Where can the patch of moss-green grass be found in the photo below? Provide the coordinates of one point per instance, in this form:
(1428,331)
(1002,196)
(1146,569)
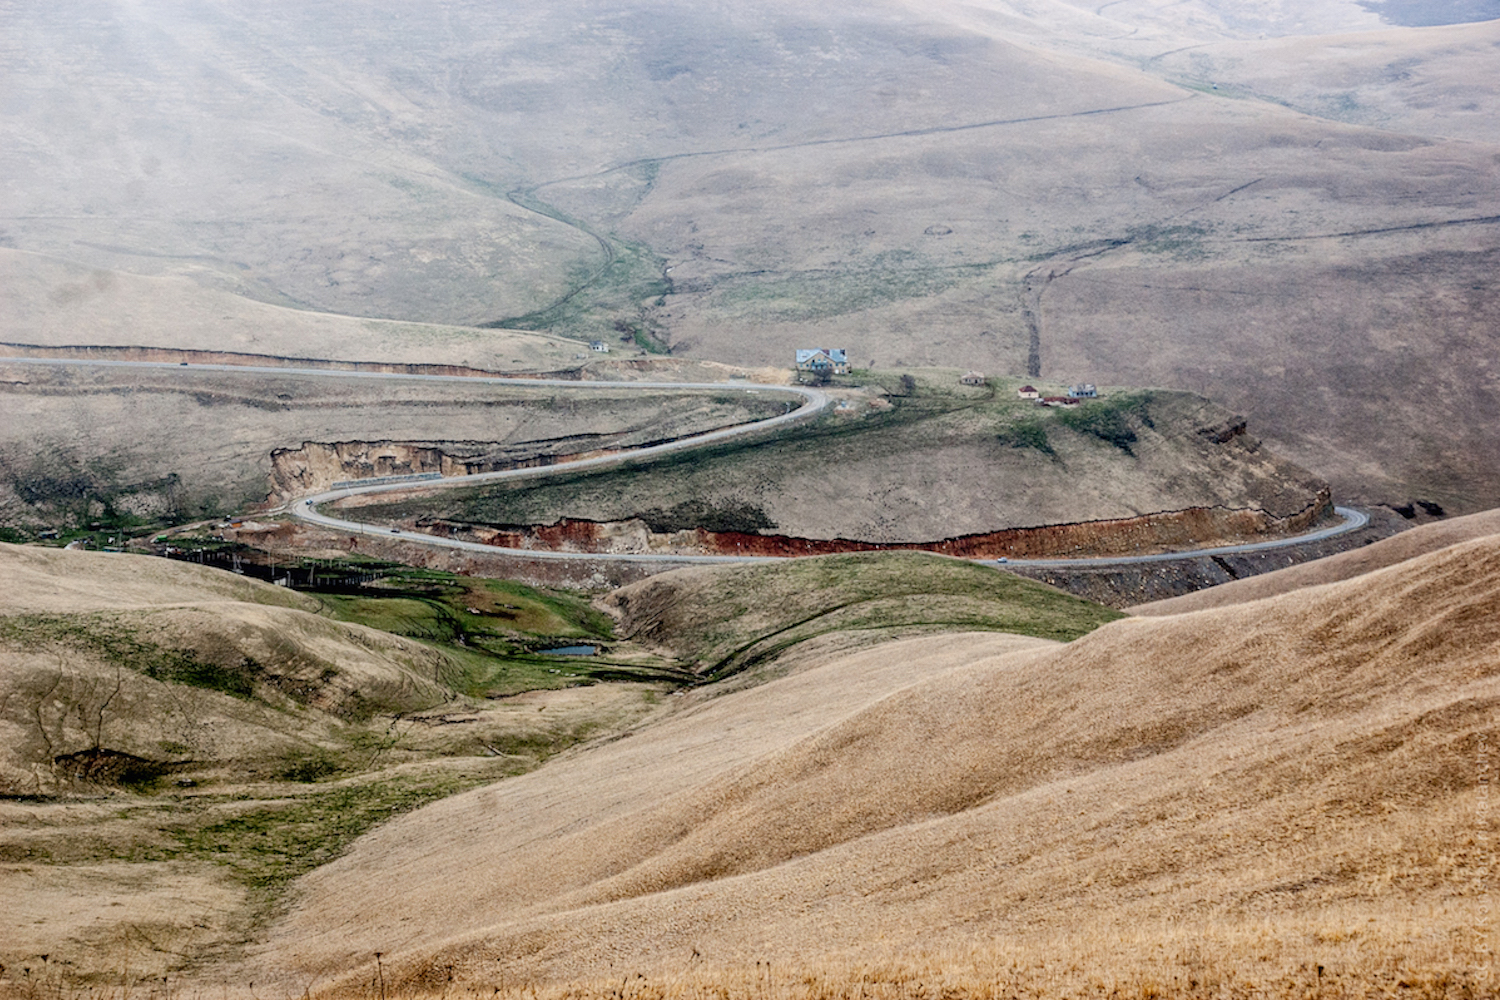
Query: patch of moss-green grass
(1030,433)
(709,516)
(267,845)
(115,639)
(443,607)
(492,631)
(747,614)
(615,289)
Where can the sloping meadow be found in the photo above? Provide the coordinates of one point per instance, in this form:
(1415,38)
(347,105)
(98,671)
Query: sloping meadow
(1267,797)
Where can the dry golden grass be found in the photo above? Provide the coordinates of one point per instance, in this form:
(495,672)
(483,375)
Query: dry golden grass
(177,743)
(42,580)
(59,303)
(1344,566)
(1208,804)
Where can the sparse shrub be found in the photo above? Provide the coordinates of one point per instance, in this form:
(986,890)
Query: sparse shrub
(1107,420)
(719,517)
(314,765)
(1029,433)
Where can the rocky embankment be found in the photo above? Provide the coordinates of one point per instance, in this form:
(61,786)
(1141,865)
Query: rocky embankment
(317,465)
(1196,527)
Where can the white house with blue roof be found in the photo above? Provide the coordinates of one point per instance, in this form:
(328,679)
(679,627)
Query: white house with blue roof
(818,359)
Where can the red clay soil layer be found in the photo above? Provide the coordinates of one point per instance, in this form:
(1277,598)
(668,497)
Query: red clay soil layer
(1190,528)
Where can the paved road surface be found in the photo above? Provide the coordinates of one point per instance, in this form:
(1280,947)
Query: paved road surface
(812,401)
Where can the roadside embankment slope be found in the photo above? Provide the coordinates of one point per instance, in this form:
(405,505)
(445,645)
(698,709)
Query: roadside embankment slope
(1295,777)
(1410,544)
(925,465)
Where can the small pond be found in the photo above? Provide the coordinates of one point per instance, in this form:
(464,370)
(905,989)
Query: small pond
(570,651)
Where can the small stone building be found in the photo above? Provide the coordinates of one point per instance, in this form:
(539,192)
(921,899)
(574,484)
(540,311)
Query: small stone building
(972,378)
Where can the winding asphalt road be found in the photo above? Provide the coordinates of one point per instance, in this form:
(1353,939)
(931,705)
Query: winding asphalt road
(812,402)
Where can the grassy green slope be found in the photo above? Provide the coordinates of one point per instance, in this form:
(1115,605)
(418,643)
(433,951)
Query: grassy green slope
(722,620)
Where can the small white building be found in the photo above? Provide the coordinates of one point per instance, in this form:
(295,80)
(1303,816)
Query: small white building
(1085,390)
(1028,392)
(971,378)
(600,346)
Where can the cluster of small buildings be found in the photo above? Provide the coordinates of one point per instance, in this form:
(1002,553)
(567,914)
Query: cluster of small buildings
(1084,390)
(825,361)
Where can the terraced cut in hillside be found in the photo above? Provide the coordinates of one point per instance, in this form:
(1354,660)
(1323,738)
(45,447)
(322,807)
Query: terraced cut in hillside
(1304,777)
(129,450)
(973,471)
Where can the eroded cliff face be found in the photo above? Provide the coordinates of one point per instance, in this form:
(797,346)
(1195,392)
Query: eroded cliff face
(1163,531)
(317,466)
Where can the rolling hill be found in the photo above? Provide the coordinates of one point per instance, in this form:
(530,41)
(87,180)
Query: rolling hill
(1260,797)
(180,743)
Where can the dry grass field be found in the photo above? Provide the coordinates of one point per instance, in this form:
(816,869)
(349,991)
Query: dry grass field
(179,744)
(1209,804)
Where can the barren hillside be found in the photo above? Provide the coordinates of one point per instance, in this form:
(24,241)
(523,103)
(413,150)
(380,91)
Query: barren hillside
(1289,209)
(1300,775)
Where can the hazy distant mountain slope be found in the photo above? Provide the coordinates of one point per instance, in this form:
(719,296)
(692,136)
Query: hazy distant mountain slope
(1279,771)
(358,159)
(51,302)
(256,151)
(1022,187)
(1416,82)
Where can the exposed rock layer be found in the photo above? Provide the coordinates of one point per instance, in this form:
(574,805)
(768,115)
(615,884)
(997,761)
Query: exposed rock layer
(1196,527)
